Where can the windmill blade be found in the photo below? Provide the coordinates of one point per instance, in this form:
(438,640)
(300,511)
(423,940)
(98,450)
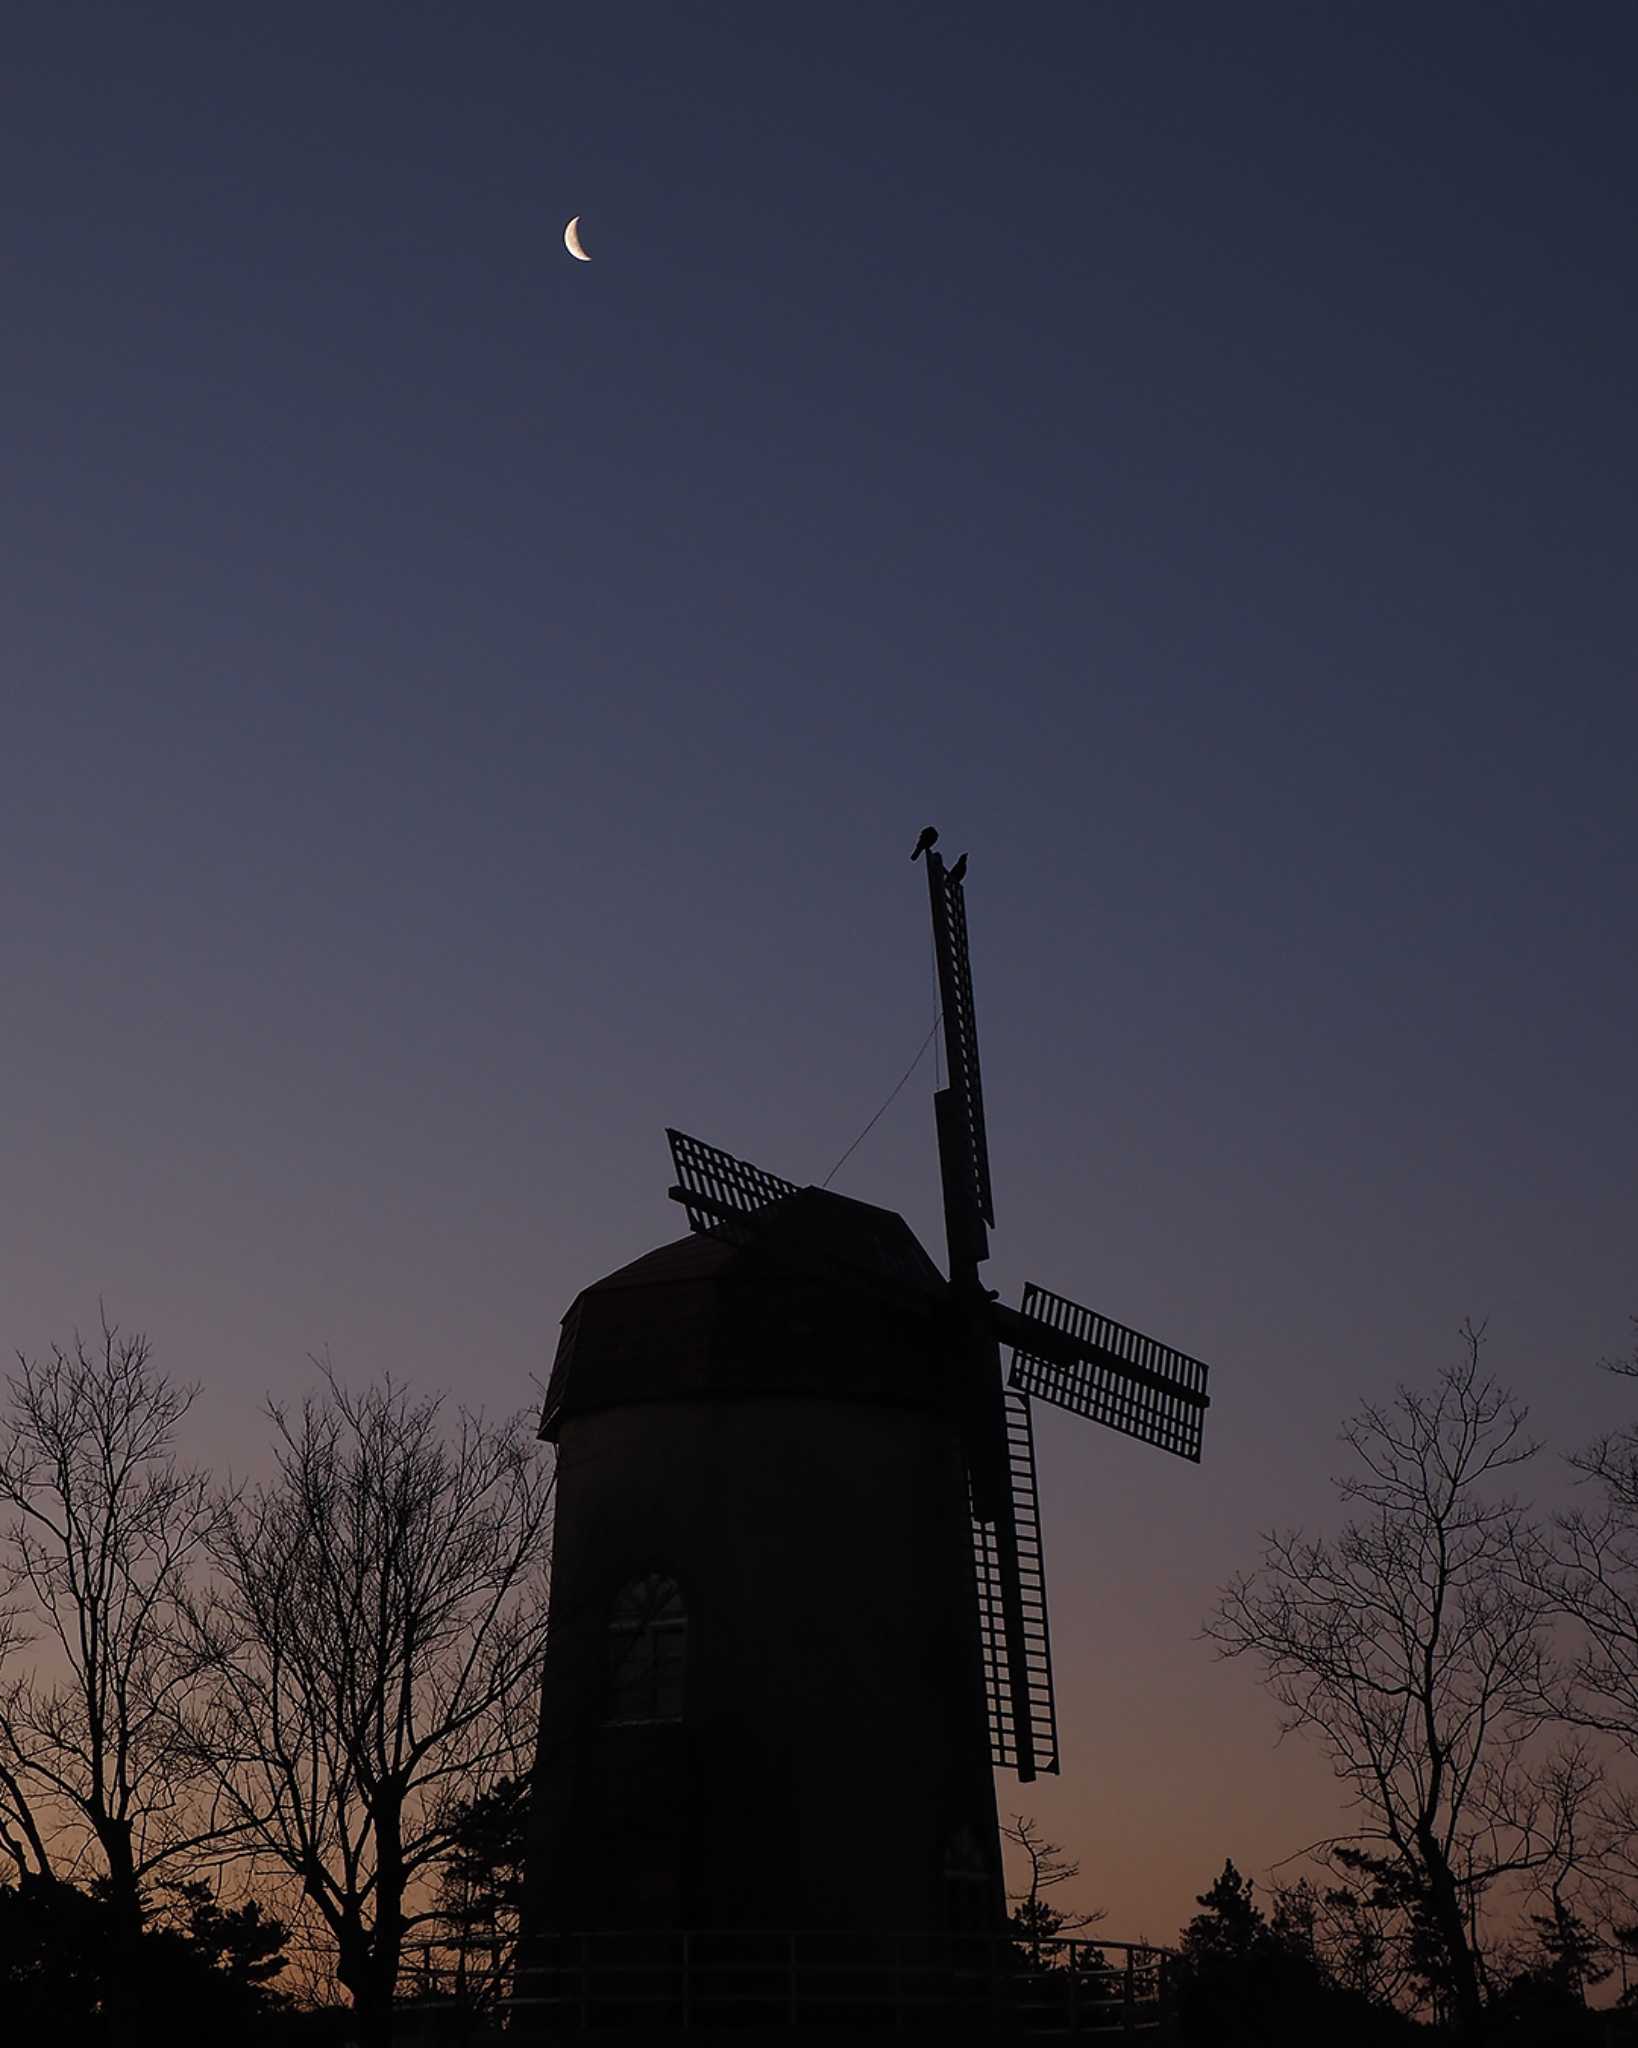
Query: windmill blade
(716,1188)
(1012,1613)
(955,990)
(1096,1367)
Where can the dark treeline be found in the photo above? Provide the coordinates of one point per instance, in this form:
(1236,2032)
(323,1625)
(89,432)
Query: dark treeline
(264,1745)
(1470,1671)
(243,1727)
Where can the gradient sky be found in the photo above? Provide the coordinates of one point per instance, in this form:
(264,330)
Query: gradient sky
(465,710)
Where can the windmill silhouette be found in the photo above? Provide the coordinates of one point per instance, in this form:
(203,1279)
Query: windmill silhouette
(1063,1353)
(797,1569)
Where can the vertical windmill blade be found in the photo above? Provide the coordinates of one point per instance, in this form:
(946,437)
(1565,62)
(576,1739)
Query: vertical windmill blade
(955,989)
(715,1187)
(1012,1614)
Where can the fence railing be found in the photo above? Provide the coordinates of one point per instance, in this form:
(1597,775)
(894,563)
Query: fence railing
(593,1982)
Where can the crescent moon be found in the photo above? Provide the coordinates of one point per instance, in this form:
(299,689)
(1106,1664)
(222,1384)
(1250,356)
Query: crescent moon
(571,240)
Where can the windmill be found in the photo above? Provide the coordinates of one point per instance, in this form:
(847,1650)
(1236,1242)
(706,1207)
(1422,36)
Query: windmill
(1071,1356)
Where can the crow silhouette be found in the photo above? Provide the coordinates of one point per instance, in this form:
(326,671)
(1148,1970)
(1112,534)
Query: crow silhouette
(959,872)
(929,837)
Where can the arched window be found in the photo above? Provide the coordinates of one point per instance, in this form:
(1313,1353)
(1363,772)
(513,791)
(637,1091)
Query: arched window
(648,1649)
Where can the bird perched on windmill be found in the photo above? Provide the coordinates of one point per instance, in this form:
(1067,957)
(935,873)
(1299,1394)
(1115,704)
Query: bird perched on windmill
(928,839)
(798,1570)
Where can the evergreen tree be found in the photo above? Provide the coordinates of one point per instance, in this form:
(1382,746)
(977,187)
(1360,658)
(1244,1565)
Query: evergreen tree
(1248,1982)
(1232,1924)
(1568,1962)
(480,1887)
(241,1945)
(480,1883)
(66,1977)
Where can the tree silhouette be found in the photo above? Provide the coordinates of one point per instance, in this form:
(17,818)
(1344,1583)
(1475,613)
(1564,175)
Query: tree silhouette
(1034,1918)
(1593,1579)
(1356,1934)
(1230,1925)
(1226,1951)
(243,1944)
(104,1530)
(373,1650)
(1246,1980)
(1413,1647)
(481,1880)
(480,1884)
(203,1965)
(1572,1955)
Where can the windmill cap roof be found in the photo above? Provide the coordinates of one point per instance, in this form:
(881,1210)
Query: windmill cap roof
(812,1228)
(820,1247)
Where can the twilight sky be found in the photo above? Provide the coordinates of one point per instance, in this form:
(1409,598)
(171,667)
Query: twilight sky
(464,710)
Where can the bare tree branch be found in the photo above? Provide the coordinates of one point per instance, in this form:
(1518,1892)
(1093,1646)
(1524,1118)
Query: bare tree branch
(372,1646)
(104,1529)
(1412,1647)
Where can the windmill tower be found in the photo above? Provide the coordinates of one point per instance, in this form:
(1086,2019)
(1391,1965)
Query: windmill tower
(799,1603)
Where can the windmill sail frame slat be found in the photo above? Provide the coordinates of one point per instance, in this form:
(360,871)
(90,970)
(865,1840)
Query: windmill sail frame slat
(955,988)
(715,1187)
(1038,1751)
(1113,1375)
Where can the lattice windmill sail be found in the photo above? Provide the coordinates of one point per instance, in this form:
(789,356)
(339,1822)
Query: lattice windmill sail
(1073,1357)
(715,1188)
(1096,1367)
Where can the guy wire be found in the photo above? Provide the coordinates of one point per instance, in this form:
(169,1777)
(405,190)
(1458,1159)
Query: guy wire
(876,1119)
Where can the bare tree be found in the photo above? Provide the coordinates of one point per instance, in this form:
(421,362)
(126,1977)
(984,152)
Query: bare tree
(103,1530)
(1356,1934)
(20,1836)
(1595,1579)
(1412,1646)
(374,1646)
(1034,1916)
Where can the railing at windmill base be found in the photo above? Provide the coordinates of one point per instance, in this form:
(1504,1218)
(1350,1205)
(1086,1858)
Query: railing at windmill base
(669,1981)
